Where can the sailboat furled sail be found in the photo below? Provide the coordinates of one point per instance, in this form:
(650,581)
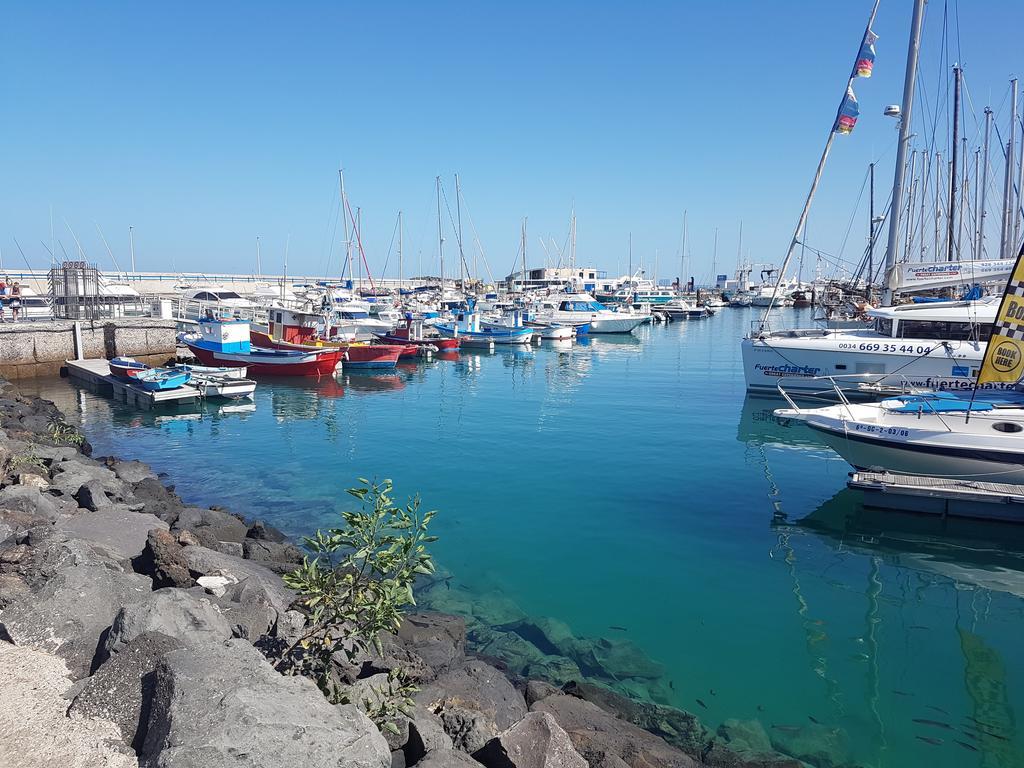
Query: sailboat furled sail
(1004,357)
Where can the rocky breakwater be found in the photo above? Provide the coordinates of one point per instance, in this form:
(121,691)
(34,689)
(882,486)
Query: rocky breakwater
(163,615)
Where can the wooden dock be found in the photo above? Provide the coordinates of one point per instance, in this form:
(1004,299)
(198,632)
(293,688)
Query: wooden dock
(96,373)
(940,496)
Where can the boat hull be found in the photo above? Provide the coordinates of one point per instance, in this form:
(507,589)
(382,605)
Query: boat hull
(265,364)
(350,355)
(795,361)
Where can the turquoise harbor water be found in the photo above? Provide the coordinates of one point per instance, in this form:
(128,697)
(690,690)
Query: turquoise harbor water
(628,488)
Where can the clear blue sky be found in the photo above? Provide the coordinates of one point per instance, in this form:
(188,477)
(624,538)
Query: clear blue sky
(204,125)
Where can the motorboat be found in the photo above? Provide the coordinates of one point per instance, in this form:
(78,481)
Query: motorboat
(126,367)
(298,330)
(219,381)
(681,309)
(932,346)
(584,309)
(161,379)
(954,435)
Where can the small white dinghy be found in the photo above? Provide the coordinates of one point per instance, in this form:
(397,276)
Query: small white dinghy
(226,383)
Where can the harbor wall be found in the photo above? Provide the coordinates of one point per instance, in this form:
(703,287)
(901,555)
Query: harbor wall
(32,349)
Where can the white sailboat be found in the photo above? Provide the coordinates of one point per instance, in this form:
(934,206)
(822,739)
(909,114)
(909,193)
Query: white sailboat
(937,345)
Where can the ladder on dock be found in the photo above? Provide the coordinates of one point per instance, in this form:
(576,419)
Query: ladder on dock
(96,373)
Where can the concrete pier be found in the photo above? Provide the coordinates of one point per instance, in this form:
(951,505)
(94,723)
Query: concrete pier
(31,349)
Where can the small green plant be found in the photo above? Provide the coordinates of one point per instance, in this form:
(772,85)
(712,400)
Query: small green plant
(386,702)
(64,434)
(24,461)
(356,584)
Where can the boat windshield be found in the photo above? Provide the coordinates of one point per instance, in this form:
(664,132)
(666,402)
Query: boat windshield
(581,306)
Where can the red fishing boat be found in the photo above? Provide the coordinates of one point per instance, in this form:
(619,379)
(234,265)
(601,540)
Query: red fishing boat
(294,330)
(412,333)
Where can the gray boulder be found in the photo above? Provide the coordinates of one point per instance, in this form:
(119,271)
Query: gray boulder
(602,738)
(132,472)
(157,499)
(252,608)
(92,496)
(258,717)
(426,735)
(28,501)
(447,758)
(437,638)
(65,598)
(676,726)
(195,621)
(203,561)
(162,559)
(819,745)
(260,530)
(536,741)
(115,528)
(279,557)
(474,702)
(222,526)
(122,688)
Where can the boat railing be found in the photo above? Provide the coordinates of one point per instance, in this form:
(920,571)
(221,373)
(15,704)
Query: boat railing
(759,330)
(881,384)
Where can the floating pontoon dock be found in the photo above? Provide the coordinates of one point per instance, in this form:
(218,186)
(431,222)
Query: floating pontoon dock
(940,496)
(96,373)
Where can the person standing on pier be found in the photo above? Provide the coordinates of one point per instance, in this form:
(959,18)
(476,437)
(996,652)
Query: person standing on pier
(15,291)
(3,294)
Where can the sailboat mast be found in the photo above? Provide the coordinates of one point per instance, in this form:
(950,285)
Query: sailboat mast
(440,236)
(1009,209)
(401,263)
(871,228)
(906,110)
(682,255)
(953,191)
(458,213)
(572,238)
(344,215)
(259,265)
(523,246)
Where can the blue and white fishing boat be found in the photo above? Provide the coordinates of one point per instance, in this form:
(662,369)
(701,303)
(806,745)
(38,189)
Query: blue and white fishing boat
(467,326)
(161,379)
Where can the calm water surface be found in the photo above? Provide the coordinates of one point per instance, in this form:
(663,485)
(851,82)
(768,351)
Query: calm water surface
(627,487)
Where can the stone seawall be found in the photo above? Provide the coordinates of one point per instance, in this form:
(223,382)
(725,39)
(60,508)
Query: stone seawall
(32,349)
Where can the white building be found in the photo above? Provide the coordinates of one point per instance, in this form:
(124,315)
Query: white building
(554,277)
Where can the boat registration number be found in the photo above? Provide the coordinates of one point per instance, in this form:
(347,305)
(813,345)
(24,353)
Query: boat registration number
(876,429)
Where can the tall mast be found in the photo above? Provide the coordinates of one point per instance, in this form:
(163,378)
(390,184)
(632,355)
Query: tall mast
(1009,209)
(984,185)
(131,245)
(458,209)
(344,215)
(976,237)
(523,244)
(871,228)
(259,265)
(682,255)
(906,109)
(359,237)
(572,237)
(1020,187)
(440,237)
(401,264)
(953,190)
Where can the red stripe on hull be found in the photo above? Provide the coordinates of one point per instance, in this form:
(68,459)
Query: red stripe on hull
(324,363)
